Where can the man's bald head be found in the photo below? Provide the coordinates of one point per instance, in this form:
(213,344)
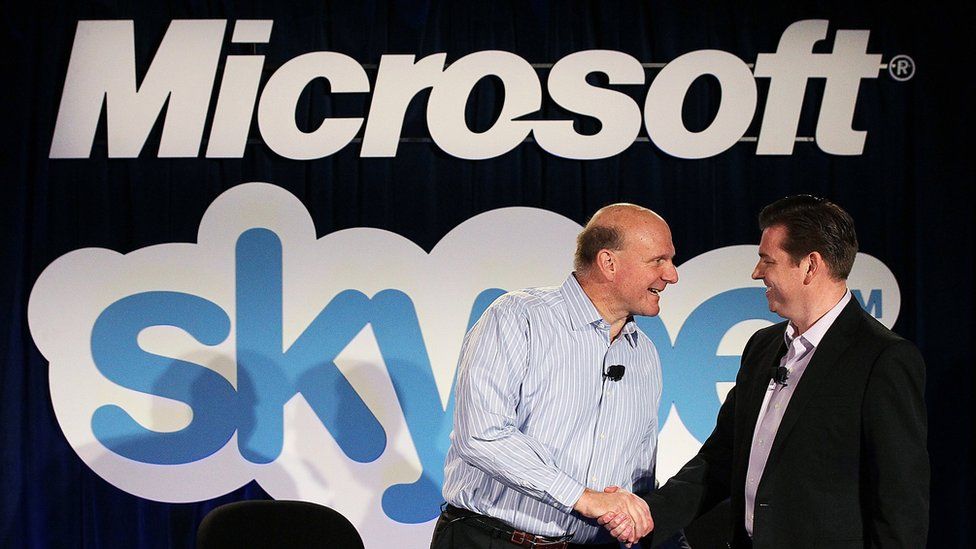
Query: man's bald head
(607,230)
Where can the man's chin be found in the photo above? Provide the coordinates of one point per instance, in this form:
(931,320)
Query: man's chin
(774,309)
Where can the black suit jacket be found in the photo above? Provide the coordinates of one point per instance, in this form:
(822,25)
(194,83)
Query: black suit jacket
(849,465)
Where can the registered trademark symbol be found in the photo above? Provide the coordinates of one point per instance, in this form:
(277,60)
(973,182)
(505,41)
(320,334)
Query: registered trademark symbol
(901,68)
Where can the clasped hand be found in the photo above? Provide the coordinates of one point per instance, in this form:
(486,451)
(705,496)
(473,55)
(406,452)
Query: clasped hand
(625,515)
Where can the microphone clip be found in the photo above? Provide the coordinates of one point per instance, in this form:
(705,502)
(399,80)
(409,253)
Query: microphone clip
(781,375)
(615,372)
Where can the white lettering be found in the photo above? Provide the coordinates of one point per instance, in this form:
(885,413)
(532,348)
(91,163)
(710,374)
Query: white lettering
(665,98)
(276,112)
(102,70)
(445,111)
(849,63)
(789,69)
(398,80)
(238,92)
(180,78)
(617,113)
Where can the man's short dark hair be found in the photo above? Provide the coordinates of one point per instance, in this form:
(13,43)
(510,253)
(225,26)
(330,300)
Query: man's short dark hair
(814,225)
(593,239)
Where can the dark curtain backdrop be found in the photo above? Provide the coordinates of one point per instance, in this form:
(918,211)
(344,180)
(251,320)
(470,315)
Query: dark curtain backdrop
(910,192)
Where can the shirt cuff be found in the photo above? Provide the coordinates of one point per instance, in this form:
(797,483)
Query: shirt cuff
(565,491)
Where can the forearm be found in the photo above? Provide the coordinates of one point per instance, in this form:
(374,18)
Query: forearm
(692,492)
(701,484)
(519,462)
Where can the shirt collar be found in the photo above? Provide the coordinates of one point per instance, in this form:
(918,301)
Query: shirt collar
(816,332)
(582,311)
(630,331)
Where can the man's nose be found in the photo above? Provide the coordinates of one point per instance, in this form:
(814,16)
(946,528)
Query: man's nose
(672,275)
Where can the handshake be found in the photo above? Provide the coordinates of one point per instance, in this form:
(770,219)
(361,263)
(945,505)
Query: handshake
(625,515)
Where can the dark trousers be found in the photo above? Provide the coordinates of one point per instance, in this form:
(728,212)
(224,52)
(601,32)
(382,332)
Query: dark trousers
(454,531)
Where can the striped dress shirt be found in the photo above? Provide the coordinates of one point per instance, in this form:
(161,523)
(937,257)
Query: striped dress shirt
(536,421)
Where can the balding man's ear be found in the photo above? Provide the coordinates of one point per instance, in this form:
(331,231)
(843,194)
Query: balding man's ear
(606,262)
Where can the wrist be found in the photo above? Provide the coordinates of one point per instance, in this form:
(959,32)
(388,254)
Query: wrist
(583,504)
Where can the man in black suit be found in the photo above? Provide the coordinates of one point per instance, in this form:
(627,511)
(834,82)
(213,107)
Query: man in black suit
(822,441)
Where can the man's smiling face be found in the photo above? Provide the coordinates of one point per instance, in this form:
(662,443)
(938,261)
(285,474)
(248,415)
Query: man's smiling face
(782,276)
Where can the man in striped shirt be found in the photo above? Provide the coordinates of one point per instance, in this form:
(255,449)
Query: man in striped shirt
(557,398)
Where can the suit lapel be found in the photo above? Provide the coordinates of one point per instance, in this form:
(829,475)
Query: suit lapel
(824,364)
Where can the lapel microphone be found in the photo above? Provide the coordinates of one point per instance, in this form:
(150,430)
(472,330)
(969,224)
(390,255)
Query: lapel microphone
(615,372)
(781,375)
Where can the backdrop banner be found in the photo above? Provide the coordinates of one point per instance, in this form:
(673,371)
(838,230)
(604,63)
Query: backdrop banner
(243,244)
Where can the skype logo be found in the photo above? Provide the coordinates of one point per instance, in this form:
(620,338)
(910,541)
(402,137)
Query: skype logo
(323,367)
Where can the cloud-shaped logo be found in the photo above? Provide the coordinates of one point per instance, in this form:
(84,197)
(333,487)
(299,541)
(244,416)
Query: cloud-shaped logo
(323,367)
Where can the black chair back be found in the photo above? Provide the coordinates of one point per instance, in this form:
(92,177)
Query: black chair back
(262,524)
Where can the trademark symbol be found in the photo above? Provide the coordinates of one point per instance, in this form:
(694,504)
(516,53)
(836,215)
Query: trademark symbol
(901,68)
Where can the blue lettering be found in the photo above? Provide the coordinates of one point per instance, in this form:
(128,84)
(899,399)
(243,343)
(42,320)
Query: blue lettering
(268,377)
(119,358)
(690,367)
(873,304)
(401,344)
